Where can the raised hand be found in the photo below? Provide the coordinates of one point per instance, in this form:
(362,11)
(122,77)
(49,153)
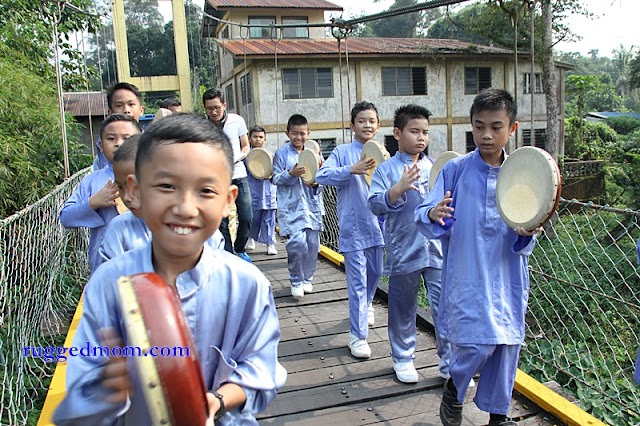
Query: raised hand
(106,197)
(442,210)
(362,167)
(297,170)
(406,183)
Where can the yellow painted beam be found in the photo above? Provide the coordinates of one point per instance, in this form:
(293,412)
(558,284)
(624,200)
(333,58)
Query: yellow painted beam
(553,403)
(57,387)
(120,39)
(155,83)
(182,54)
(332,256)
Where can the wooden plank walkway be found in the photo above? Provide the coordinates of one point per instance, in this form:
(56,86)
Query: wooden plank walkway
(326,385)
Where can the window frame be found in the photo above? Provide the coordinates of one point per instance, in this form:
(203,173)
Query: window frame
(295,29)
(540,134)
(230,98)
(245,80)
(396,80)
(538,87)
(265,31)
(480,82)
(302,91)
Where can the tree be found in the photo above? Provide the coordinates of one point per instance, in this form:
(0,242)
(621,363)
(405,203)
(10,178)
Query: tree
(407,25)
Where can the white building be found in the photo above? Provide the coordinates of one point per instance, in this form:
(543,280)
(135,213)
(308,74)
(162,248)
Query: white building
(268,75)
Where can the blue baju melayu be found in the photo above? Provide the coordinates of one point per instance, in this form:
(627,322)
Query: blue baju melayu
(263,203)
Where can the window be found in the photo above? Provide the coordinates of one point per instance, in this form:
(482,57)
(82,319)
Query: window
(230,98)
(327,146)
(391,144)
(225,32)
(261,32)
(540,136)
(471,146)
(476,79)
(298,32)
(404,81)
(305,83)
(245,89)
(527,83)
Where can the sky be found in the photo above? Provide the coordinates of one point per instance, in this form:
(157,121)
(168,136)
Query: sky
(616,22)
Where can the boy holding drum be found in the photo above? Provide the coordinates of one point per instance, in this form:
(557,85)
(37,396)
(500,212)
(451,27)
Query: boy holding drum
(485,281)
(183,185)
(299,208)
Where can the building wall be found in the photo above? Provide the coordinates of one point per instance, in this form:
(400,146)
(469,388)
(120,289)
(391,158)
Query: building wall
(242,16)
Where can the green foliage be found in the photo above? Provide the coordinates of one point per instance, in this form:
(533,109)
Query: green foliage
(31,159)
(407,25)
(623,125)
(586,140)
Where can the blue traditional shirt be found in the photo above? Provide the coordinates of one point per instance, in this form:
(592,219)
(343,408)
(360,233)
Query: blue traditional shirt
(263,193)
(77,213)
(299,205)
(359,228)
(407,250)
(127,232)
(230,310)
(485,281)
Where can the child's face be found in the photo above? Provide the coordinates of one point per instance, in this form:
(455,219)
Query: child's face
(184,192)
(298,135)
(414,138)
(258,139)
(491,132)
(121,170)
(113,135)
(125,101)
(365,126)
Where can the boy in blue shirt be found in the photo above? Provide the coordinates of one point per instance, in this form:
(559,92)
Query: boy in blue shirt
(360,235)
(128,231)
(263,201)
(485,281)
(299,208)
(93,204)
(183,187)
(397,188)
(122,98)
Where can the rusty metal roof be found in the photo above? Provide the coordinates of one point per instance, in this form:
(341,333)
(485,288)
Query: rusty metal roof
(79,104)
(274,4)
(357,46)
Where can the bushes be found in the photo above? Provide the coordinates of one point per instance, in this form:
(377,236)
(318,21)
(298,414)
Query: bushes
(623,125)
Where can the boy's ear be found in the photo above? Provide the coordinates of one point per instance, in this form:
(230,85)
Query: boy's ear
(396,133)
(513,128)
(133,189)
(231,200)
(100,144)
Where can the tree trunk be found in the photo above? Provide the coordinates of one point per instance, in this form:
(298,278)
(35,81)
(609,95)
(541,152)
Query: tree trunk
(550,82)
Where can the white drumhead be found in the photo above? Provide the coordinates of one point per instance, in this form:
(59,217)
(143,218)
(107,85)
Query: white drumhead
(161,113)
(528,188)
(312,145)
(260,163)
(438,164)
(372,149)
(309,160)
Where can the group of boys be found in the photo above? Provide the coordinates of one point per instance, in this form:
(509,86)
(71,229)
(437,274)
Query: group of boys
(179,180)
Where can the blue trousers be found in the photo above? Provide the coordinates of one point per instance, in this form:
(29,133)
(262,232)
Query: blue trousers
(263,228)
(302,256)
(403,306)
(245,218)
(497,365)
(363,269)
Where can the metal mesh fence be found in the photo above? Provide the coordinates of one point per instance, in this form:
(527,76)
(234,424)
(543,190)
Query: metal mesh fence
(42,270)
(584,306)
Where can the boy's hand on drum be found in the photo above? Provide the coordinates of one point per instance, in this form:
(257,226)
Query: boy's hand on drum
(524,233)
(114,376)
(442,210)
(297,170)
(106,197)
(363,166)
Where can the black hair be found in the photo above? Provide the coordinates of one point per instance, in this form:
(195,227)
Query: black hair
(127,151)
(169,102)
(212,94)
(182,128)
(495,100)
(256,129)
(362,106)
(406,113)
(297,120)
(123,86)
(119,117)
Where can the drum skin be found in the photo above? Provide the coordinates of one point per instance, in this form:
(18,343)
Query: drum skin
(528,188)
(260,163)
(438,164)
(310,161)
(179,378)
(373,150)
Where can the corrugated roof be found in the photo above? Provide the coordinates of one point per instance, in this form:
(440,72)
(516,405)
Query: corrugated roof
(356,46)
(78,103)
(274,4)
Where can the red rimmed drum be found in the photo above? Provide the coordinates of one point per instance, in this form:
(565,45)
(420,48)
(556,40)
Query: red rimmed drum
(173,386)
(528,188)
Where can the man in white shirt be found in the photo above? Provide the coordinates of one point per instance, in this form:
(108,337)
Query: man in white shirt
(235,128)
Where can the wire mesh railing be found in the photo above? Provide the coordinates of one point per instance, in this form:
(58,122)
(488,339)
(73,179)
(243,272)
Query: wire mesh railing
(42,270)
